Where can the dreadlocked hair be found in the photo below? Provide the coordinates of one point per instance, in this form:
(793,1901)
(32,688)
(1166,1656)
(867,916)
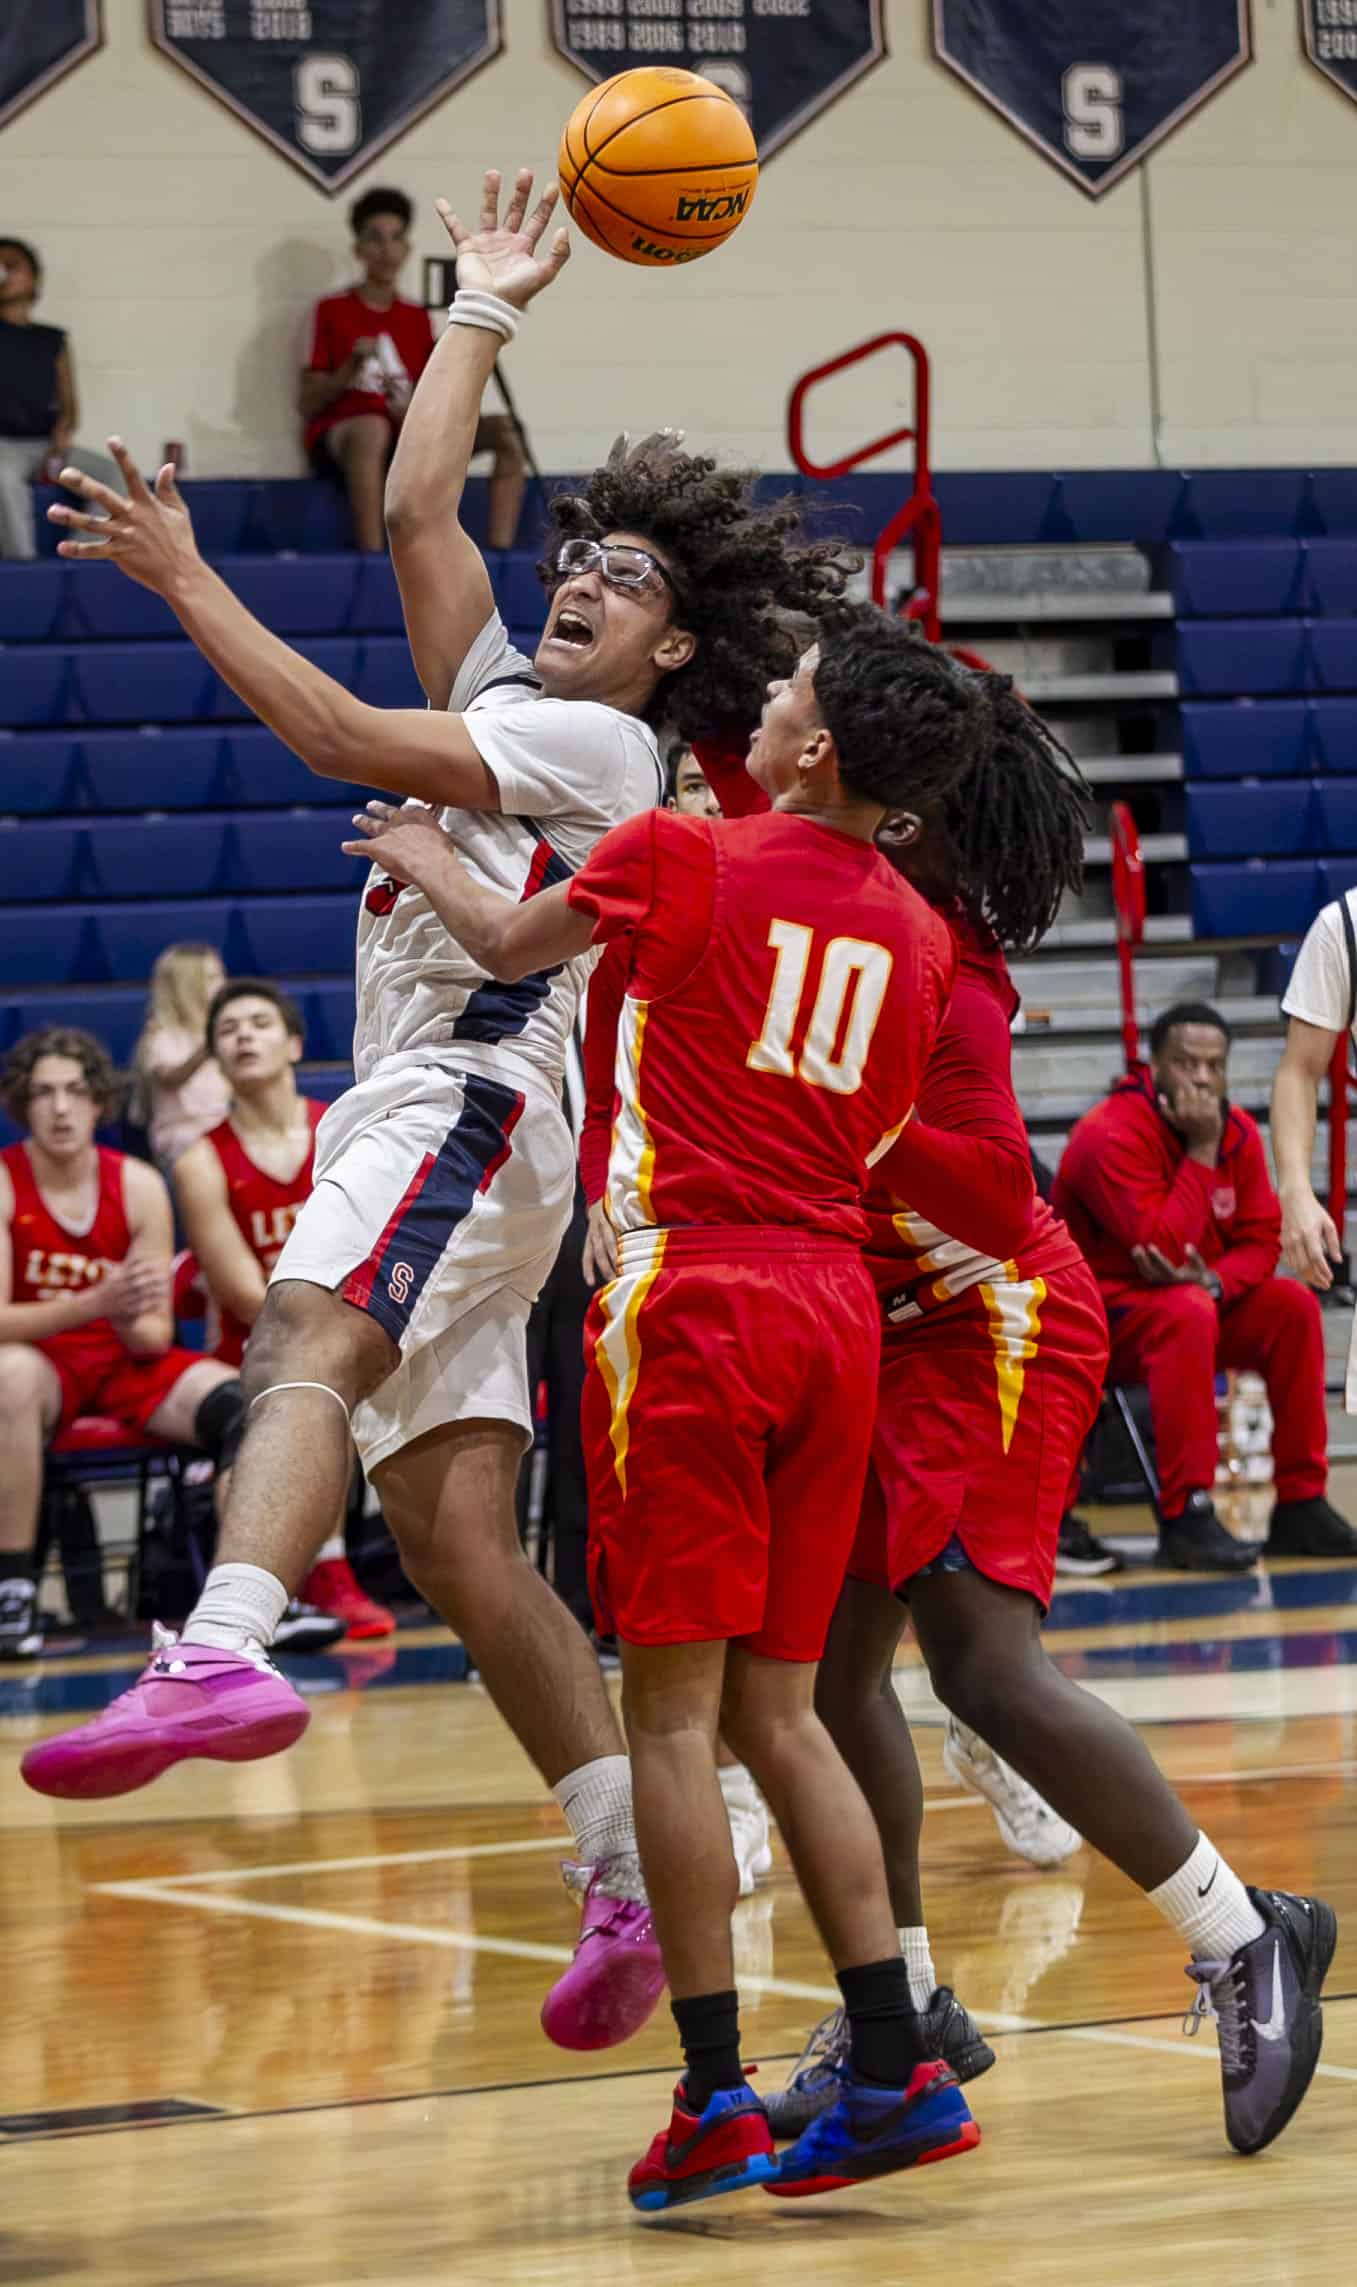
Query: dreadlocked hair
(739,570)
(1015,820)
(902,720)
(1007,806)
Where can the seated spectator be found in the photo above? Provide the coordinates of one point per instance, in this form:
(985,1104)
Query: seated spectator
(38,411)
(240,1189)
(1165,1186)
(368,349)
(179,1089)
(85,1323)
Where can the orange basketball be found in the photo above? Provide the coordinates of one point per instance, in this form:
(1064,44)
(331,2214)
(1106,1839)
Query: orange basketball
(658,166)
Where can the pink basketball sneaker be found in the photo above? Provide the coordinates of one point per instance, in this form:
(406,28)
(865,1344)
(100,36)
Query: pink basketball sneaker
(616,1977)
(191,1700)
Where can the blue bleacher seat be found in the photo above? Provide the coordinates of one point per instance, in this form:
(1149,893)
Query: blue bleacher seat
(220,508)
(1334,492)
(33,685)
(39,771)
(1333,654)
(1244,578)
(376,602)
(1238,821)
(518,591)
(328,1013)
(1330,577)
(31,954)
(153,770)
(114,1017)
(303,935)
(1252,504)
(153,857)
(140,683)
(41,858)
(307,514)
(1333,734)
(1123,504)
(1240,655)
(1244,738)
(1257,899)
(282,850)
(101,602)
(1336,877)
(386,674)
(326,1082)
(295,595)
(126,939)
(31,599)
(1336,815)
(264,773)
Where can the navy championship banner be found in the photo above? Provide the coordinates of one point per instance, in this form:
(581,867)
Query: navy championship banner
(1329,29)
(39,44)
(1095,84)
(330,83)
(784,61)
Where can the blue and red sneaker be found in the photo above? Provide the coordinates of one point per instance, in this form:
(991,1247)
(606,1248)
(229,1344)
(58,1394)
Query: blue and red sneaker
(724,2148)
(875,2131)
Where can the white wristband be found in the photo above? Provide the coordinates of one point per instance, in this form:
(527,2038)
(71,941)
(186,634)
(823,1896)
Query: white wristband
(471,307)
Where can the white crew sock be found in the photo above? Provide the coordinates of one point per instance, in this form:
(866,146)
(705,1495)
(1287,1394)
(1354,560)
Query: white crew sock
(597,1801)
(737,1785)
(923,1978)
(331,1551)
(1208,1903)
(238,1611)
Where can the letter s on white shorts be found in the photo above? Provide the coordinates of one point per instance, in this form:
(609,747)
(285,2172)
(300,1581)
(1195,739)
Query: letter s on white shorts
(440,1200)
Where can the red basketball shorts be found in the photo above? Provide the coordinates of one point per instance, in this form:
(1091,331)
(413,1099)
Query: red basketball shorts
(109,1381)
(982,1412)
(729,1391)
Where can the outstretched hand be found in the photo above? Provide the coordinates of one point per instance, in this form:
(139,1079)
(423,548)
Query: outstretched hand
(502,257)
(148,535)
(406,842)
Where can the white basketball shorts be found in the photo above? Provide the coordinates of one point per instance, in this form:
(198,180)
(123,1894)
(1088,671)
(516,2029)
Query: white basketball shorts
(440,1200)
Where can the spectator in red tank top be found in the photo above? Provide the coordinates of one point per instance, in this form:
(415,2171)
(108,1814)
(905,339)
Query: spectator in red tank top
(240,1189)
(367,350)
(85,1326)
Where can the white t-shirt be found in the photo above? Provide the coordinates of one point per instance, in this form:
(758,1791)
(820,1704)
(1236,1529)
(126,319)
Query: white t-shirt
(1320,991)
(567,770)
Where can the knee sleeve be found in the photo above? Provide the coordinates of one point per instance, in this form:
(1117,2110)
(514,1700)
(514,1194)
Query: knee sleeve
(219,1423)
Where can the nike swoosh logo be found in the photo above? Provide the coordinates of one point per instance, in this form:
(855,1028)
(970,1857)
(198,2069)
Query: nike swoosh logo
(1275,2027)
(1214,1872)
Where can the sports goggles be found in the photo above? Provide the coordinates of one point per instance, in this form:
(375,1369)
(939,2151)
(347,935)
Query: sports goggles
(621,566)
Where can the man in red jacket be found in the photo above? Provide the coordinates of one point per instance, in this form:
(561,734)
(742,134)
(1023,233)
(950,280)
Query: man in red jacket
(1165,1186)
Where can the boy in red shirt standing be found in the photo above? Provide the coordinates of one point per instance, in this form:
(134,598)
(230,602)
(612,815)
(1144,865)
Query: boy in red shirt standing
(784,990)
(368,349)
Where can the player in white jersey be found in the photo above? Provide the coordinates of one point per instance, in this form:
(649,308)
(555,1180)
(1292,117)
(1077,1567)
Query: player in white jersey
(443,1180)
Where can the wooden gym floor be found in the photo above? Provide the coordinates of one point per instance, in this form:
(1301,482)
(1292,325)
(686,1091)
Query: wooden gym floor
(319,1978)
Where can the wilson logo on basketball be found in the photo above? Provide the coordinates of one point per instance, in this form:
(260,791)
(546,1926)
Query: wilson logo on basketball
(400,1282)
(653,253)
(703,206)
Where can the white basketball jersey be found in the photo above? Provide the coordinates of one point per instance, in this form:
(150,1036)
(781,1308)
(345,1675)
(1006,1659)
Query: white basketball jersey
(567,771)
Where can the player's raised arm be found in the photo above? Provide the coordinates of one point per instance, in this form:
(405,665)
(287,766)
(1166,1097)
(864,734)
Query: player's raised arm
(445,589)
(149,536)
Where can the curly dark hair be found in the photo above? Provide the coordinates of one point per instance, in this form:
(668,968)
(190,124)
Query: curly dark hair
(1005,807)
(101,1076)
(740,567)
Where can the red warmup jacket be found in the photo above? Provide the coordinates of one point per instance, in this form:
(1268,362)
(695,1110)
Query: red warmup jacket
(1126,1181)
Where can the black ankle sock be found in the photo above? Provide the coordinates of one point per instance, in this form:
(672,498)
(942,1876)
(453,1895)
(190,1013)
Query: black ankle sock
(883,2027)
(709,2028)
(15,1564)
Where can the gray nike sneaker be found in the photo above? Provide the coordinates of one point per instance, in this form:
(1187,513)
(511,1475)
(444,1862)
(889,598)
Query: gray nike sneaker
(816,2081)
(1265,2000)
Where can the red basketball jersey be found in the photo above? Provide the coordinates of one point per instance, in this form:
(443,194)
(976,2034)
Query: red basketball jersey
(783,992)
(967,1097)
(49,1259)
(263,1209)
